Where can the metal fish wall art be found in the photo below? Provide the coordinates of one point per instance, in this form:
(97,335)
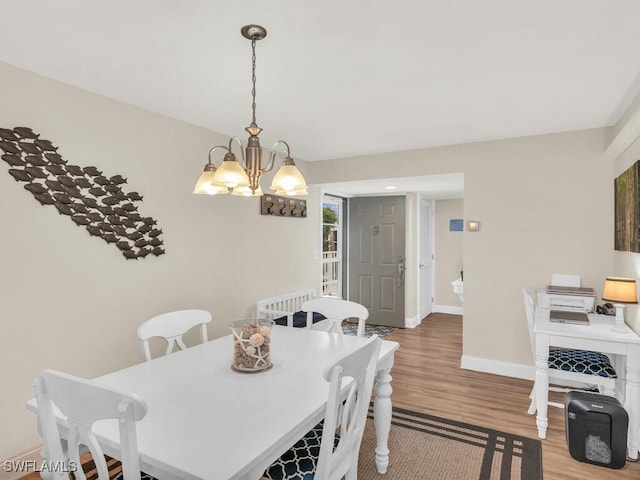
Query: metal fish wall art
(86,195)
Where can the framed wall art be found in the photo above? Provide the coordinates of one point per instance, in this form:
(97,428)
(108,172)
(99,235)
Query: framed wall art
(626,211)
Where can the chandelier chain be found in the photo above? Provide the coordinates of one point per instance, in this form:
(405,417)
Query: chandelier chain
(253,80)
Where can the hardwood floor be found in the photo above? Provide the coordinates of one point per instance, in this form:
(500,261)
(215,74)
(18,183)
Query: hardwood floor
(427,378)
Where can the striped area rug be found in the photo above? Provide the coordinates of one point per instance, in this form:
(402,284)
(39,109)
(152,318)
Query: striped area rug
(91,472)
(380,330)
(114,466)
(426,447)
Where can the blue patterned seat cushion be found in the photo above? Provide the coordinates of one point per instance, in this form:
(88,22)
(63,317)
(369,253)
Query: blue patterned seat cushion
(299,319)
(301,460)
(582,361)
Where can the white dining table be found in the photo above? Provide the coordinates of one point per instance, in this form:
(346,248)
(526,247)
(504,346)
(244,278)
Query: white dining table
(207,422)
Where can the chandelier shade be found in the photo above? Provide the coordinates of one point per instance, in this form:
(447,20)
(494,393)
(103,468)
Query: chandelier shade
(246,192)
(288,180)
(243,178)
(205,186)
(230,174)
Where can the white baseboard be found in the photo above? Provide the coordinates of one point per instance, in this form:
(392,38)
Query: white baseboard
(412,322)
(508,369)
(496,367)
(448,309)
(22,464)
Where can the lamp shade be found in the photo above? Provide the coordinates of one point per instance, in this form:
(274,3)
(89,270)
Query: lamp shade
(288,179)
(246,192)
(620,290)
(292,193)
(205,186)
(230,173)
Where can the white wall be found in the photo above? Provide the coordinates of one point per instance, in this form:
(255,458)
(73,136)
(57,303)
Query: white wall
(71,302)
(627,264)
(448,251)
(542,202)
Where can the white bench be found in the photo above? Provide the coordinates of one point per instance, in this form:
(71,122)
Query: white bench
(291,303)
(281,305)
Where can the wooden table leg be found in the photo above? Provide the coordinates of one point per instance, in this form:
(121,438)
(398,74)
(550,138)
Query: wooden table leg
(632,401)
(542,384)
(382,415)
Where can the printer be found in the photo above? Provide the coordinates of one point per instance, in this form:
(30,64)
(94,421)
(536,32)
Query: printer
(566,294)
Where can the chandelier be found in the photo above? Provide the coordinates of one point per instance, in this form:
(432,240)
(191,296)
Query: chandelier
(244,179)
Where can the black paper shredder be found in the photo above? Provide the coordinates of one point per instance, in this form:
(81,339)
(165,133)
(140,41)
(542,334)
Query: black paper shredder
(596,429)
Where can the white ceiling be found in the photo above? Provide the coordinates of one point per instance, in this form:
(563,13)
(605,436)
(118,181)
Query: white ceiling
(340,78)
(436,187)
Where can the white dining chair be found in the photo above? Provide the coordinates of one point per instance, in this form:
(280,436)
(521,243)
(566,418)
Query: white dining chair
(83,402)
(336,311)
(330,450)
(569,365)
(172,326)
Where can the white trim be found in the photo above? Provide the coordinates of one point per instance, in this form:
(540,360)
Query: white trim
(448,309)
(624,138)
(28,457)
(412,322)
(424,202)
(507,369)
(334,193)
(340,203)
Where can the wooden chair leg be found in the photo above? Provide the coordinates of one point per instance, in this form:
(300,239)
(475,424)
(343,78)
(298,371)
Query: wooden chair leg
(607,391)
(532,406)
(560,389)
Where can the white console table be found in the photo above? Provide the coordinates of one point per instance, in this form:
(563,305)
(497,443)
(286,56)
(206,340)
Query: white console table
(598,336)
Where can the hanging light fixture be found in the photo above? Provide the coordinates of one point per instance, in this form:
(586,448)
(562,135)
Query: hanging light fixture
(244,179)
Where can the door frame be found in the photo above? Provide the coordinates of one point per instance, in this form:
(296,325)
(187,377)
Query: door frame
(326,197)
(423,202)
(412,280)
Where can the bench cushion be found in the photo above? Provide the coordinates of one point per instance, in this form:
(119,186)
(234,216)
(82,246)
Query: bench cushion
(582,361)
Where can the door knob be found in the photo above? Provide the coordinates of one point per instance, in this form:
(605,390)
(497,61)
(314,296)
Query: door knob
(401,270)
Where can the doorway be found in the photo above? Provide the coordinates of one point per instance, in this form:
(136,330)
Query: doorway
(332,246)
(376,262)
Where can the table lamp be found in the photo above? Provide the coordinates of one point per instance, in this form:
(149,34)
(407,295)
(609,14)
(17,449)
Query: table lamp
(620,291)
